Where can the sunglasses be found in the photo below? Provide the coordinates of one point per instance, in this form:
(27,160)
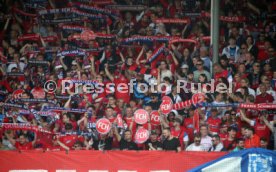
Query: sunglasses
(200,64)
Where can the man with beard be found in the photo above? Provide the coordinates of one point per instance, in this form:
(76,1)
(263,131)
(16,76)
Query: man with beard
(230,142)
(104,142)
(22,143)
(196,146)
(153,143)
(170,142)
(126,142)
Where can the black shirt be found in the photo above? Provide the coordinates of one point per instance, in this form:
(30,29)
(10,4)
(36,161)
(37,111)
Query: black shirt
(154,105)
(156,144)
(172,144)
(105,144)
(124,145)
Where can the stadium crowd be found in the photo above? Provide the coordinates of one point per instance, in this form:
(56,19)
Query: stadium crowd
(120,41)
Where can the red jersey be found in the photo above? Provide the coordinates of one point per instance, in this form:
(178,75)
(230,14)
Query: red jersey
(128,122)
(262,55)
(38,93)
(229,144)
(189,125)
(54,148)
(111,119)
(122,90)
(223,136)
(44,139)
(180,134)
(62,125)
(267,98)
(252,142)
(214,124)
(262,130)
(223,74)
(69,140)
(26,146)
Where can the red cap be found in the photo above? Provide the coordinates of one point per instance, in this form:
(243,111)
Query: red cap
(122,78)
(133,68)
(154,72)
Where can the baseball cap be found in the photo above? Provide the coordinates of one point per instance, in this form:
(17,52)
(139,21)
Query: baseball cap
(214,110)
(224,125)
(74,62)
(58,67)
(184,66)
(87,67)
(154,94)
(175,112)
(11,67)
(178,120)
(154,72)
(153,132)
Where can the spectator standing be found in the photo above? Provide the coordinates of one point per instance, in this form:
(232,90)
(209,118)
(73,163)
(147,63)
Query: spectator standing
(196,146)
(206,140)
(252,140)
(217,145)
(170,142)
(126,142)
(240,145)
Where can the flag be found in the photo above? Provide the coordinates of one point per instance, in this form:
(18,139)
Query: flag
(248,160)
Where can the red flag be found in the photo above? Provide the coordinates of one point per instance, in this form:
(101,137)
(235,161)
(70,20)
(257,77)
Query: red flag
(119,120)
(196,120)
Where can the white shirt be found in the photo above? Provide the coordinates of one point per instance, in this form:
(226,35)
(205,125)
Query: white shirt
(193,147)
(166,73)
(221,110)
(12,65)
(270,91)
(177,98)
(206,142)
(218,148)
(250,91)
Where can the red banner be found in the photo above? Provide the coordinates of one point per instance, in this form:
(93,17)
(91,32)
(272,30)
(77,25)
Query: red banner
(111,161)
(226,18)
(172,20)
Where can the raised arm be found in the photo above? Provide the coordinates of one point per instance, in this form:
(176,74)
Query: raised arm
(184,30)
(174,58)
(93,71)
(83,119)
(122,57)
(11,140)
(139,56)
(7,24)
(108,74)
(63,145)
(158,76)
(244,118)
(62,63)
(176,52)
(67,104)
(118,136)
(35,138)
(163,120)
(268,124)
